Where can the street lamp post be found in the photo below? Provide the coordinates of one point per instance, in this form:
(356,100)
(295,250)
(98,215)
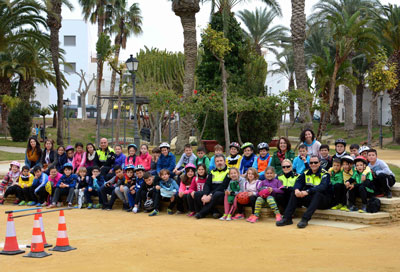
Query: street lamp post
(381,117)
(67,103)
(132,65)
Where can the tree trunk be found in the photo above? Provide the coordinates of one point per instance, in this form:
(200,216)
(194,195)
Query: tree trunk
(44,128)
(348,112)
(395,100)
(374,97)
(83,104)
(334,112)
(100,29)
(114,76)
(203,128)
(238,118)
(5,89)
(298,29)
(374,110)
(225,104)
(25,88)
(117,128)
(359,103)
(332,87)
(291,107)
(54,23)
(55,119)
(186,10)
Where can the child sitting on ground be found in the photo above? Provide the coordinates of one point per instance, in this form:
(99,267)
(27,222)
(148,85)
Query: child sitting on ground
(360,188)
(65,186)
(251,186)
(81,185)
(186,158)
(230,201)
(354,150)
(109,188)
(248,158)
(184,188)
(339,189)
(201,157)
(300,163)
(149,194)
(234,159)
(127,190)
(270,188)
(41,185)
(9,185)
(218,149)
(26,182)
(326,159)
(96,181)
(196,186)
(384,178)
(168,189)
(262,161)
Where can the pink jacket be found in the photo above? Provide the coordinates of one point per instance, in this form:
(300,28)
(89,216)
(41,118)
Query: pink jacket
(56,179)
(145,160)
(197,184)
(184,188)
(79,160)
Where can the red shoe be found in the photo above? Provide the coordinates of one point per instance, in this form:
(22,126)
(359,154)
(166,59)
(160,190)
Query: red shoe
(16,202)
(238,216)
(380,195)
(191,214)
(278,217)
(253,218)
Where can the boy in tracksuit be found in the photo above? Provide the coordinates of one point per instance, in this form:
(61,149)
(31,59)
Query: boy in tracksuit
(65,186)
(300,163)
(339,189)
(96,181)
(261,162)
(148,191)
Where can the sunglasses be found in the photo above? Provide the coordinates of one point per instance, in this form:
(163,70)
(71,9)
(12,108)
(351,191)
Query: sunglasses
(286,166)
(313,162)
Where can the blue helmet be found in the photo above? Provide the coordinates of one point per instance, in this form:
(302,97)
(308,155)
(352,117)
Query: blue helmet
(139,167)
(130,166)
(132,145)
(67,165)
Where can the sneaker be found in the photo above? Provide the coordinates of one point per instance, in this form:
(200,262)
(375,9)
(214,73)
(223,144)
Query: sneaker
(84,205)
(223,217)
(253,218)
(135,209)
(250,218)
(22,203)
(39,205)
(380,195)
(154,213)
(353,208)
(179,212)
(1,201)
(59,204)
(169,211)
(191,214)
(98,206)
(284,222)
(129,209)
(31,203)
(70,205)
(345,208)
(363,209)
(302,224)
(44,204)
(337,207)
(16,202)
(389,194)
(198,216)
(90,205)
(229,217)
(278,217)
(52,205)
(238,216)
(216,215)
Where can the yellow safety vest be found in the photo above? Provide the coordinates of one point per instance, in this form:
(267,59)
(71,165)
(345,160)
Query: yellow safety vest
(103,156)
(288,182)
(219,176)
(314,180)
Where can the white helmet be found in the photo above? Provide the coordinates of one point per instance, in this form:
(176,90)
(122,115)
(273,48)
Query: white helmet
(363,148)
(165,145)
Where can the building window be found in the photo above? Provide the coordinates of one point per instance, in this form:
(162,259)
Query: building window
(69,40)
(79,101)
(70,67)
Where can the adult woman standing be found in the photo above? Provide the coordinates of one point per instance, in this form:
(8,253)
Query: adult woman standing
(49,156)
(307,137)
(284,152)
(33,153)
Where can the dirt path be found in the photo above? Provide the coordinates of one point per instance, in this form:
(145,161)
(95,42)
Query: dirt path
(390,156)
(120,241)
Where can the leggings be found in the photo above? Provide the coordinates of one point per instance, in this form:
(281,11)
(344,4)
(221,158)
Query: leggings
(230,209)
(68,191)
(261,202)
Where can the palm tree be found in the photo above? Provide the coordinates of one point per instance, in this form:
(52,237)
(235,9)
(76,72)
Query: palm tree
(54,108)
(125,23)
(260,31)
(43,112)
(54,18)
(388,31)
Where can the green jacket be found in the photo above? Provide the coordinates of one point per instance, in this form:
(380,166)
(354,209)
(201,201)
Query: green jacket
(368,180)
(336,177)
(205,160)
(276,163)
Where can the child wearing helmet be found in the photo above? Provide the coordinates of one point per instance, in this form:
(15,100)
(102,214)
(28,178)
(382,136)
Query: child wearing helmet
(340,148)
(166,160)
(9,185)
(65,186)
(184,188)
(358,187)
(231,192)
(248,158)
(363,151)
(70,151)
(261,162)
(123,188)
(270,188)
(234,159)
(139,181)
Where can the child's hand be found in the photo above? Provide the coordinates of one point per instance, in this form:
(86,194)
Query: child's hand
(351,187)
(363,178)
(158,187)
(121,188)
(250,193)
(270,189)
(90,189)
(180,194)
(227,192)
(94,176)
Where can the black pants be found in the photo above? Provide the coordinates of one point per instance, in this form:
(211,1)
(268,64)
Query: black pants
(42,195)
(107,190)
(29,195)
(104,171)
(383,183)
(252,204)
(67,191)
(210,207)
(339,194)
(359,190)
(14,190)
(315,201)
(168,199)
(283,199)
(184,201)
(142,195)
(198,205)
(191,203)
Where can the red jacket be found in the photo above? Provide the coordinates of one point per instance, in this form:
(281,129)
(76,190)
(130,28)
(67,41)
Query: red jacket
(145,160)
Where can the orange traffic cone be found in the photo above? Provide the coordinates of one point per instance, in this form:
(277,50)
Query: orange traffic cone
(11,245)
(62,243)
(37,247)
(42,230)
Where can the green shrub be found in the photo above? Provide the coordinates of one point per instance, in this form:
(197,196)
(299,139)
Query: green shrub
(20,122)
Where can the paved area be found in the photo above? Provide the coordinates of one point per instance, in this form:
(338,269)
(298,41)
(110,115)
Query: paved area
(13,149)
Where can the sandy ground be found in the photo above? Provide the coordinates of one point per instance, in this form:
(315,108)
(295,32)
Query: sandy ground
(120,241)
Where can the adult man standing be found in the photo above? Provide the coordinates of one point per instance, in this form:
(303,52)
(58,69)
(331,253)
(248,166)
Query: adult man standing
(312,189)
(106,157)
(214,188)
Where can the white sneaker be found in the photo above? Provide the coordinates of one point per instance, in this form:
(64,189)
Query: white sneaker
(135,210)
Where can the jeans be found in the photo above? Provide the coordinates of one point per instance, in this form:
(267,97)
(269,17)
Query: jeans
(89,194)
(122,195)
(68,191)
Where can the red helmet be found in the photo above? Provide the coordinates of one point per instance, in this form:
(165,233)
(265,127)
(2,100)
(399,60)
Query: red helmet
(243,198)
(264,193)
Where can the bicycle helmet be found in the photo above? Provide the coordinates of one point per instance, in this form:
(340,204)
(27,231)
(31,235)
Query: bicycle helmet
(340,141)
(235,144)
(165,145)
(139,167)
(347,158)
(360,158)
(67,165)
(130,167)
(190,166)
(132,145)
(69,148)
(263,146)
(17,164)
(247,144)
(363,149)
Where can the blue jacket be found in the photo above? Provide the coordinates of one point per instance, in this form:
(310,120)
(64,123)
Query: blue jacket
(212,164)
(61,160)
(246,163)
(166,162)
(138,184)
(299,166)
(169,185)
(119,160)
(96,183)
(71,180)
(40,182)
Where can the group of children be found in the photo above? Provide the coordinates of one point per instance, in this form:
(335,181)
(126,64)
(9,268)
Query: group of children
(143,181)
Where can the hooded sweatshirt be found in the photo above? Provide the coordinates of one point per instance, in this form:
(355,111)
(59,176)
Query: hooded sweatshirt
(166,162)
(246,163)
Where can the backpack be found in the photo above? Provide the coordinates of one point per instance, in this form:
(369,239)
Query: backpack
(373,205)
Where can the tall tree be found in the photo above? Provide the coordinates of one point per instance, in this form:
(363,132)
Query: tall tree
(125,22)
(83,91)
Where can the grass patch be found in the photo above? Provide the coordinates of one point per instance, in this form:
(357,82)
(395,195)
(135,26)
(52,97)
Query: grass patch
(396,171)
(8,156)
(6,142)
